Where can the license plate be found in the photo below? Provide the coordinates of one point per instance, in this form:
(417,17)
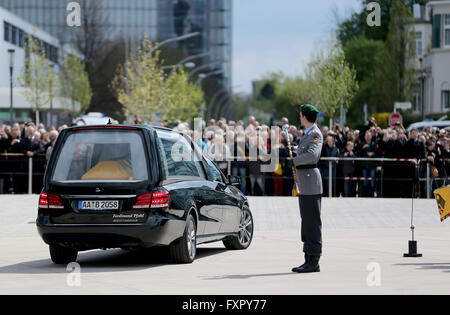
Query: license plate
(98,205)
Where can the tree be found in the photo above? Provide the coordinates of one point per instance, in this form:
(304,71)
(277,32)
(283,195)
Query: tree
(365,56)
(74,85)
(356,26)
(290,93)
(140,84)
(382,56)
(90,37)
(334,81)
(38,77)
(184,97)
(101,55)
(396,75)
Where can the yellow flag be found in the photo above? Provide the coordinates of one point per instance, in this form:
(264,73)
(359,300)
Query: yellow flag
(443,200)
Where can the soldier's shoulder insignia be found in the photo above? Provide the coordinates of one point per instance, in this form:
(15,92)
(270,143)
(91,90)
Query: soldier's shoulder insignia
(316,139)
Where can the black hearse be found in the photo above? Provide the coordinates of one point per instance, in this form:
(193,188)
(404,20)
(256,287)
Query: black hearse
(133,187)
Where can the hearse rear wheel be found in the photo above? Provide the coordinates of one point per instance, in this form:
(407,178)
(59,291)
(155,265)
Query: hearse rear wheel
(63,255)
(185,249)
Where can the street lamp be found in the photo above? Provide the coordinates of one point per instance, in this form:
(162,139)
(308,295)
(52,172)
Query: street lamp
(174,39)
(11,71)
(203,67)
(203,76)
(188,59)
(188,65)
(50,90)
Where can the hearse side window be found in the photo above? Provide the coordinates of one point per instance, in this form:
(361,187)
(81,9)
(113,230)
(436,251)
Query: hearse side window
(178,157)
(213,172)
(106,155)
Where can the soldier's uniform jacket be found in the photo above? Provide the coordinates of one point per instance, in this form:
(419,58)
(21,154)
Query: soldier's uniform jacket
(308,153)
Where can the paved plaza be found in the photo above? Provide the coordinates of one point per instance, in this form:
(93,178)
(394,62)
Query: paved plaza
(364,240)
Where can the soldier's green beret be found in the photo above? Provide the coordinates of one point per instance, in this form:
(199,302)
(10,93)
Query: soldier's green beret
(308,108)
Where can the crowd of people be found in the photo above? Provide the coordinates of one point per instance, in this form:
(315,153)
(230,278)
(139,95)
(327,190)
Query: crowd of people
(244,149)
(27,138)
(369,176)
(20,141)
(429,146)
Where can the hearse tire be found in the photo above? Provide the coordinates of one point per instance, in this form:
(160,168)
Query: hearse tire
(63,255)
(184,250)
(245,234)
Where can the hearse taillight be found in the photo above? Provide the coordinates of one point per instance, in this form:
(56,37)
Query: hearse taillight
(157,199)
(50,201)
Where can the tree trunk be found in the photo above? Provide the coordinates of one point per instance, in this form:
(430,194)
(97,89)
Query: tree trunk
(37,118)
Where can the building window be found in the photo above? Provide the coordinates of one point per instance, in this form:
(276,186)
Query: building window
(22,37)
(446,99)
(447,30)
(419,43)
(14,35)
(7,28)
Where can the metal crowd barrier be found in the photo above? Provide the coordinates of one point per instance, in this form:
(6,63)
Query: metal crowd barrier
(332,162)
(20,166)
(39,160)
(382,160)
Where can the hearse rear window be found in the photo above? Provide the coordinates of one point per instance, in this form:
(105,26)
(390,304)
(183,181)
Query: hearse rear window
(106,155)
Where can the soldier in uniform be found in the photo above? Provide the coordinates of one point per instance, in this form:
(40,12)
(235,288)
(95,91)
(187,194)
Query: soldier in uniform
(310,182)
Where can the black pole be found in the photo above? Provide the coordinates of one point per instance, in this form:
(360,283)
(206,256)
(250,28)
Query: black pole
(11,100)
(50,90)
(51,104)
(412,245)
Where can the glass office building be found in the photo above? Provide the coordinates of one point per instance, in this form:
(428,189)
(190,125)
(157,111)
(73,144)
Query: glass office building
(130,19)
(212,18)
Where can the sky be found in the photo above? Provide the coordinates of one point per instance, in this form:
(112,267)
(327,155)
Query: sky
(280,35)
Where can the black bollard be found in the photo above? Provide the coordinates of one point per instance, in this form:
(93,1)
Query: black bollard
(412,245)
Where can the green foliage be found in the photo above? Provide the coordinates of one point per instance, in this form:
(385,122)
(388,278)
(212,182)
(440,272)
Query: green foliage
(145,90)
(38,77)
(291,93)
(334,81)
(329,83)
(140,84)
(356,26)
(382,56)
(396,76)
(288,92)
(184,99)
(360,54)
(74,85)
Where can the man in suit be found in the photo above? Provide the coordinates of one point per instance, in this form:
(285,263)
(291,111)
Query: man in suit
(30,144)
(310,182)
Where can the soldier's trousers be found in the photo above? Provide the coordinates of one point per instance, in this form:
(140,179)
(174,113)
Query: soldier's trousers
(310,209)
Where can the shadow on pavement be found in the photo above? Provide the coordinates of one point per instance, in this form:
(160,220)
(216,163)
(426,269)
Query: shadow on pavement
(107,261)
(445,267)
(251,276)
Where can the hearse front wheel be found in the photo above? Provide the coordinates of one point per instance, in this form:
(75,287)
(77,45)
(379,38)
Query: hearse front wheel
(245,233)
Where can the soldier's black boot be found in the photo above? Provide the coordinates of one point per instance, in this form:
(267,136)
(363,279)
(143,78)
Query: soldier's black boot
(312,265)
(307,257)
